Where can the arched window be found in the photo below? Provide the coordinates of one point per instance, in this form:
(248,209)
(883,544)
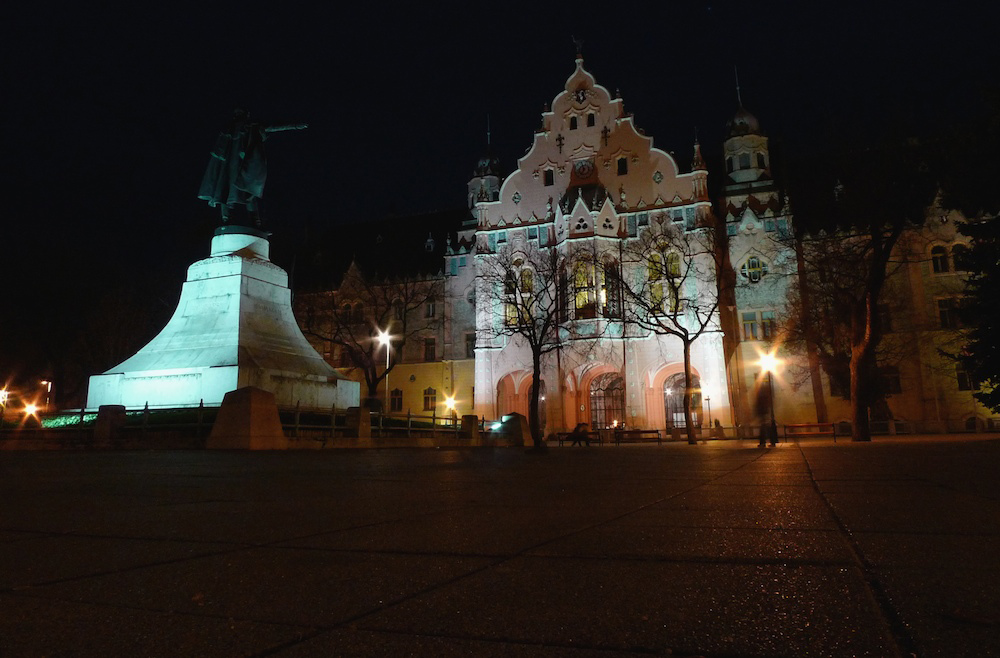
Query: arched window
(958,255)
(939,260)
(607,401)
(673,400)
(345,312)
(359,312)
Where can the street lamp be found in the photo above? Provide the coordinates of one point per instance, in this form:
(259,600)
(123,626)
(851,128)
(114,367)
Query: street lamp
(670,410)
(383,339)
(4,395)
(708,401)
(769,364)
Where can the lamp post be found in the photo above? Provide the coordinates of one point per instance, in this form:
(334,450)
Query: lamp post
(768,364)
(3,405)
(708,401)
(670,410)
(383,339)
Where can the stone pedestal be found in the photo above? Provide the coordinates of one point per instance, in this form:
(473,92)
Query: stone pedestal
(233,328)
(108,426)
(248,420)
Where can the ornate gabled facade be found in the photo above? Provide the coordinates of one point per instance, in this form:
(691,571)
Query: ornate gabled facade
(593,184)
(590,182)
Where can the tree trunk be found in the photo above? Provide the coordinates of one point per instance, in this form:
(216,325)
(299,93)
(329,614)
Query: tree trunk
(534,422)
(862,360)
(692,438)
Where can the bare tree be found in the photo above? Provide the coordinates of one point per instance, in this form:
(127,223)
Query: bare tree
(670,287)
(363,305)
(885,192)
(525,289)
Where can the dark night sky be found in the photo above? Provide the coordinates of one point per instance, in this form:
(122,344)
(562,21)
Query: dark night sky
(110,115)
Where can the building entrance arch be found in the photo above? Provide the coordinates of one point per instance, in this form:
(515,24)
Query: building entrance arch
(673,400)
(607,401)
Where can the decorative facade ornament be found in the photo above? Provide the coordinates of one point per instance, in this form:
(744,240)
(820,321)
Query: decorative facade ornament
(657,177)
(517,197)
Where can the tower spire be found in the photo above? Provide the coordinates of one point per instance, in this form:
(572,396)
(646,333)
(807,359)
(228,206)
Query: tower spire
(739,98)
(489,144)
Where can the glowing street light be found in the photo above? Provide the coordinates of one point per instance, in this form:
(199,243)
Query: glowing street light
(769,364)
(31,409)
(383,339)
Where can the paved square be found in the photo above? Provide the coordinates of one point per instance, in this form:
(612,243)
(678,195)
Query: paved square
(725,549)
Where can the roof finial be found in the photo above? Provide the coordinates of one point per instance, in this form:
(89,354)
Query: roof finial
(739,98)
(489,144)
(579,46)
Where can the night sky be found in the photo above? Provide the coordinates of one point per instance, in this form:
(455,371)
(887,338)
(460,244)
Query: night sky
(110,116)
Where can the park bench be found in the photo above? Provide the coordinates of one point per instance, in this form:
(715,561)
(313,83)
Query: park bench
(593,437)
(637,435)
(810,429)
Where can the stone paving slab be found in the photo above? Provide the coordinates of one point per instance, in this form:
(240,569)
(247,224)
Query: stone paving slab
(31,626)
(280,585)
(647,606)
(716,550)
(622,540)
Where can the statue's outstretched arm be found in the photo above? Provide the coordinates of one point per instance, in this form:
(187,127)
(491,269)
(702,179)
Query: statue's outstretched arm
(291,126)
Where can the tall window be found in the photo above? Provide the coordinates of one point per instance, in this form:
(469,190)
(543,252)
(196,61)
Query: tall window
(470,345)
(664,273)
(591,119)
(939,260)
(430,308)
(611,290)
(430,399)
(966,382)
(430,349)
(583,291)
(948,313)
(622,166)
(890,380)
(398,310)
(549,177)
(744,160)
(395,400)
(750,326)
(359,312)
(572,123)
(760,161)
(767,325)
(958,256)
(885,318)
(562,296)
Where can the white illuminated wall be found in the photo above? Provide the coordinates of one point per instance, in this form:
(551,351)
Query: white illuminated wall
(233,327)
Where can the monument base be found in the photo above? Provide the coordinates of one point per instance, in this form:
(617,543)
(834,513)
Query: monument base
(233,328)
(247,420)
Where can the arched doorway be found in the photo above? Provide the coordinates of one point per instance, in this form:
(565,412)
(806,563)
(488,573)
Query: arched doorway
(607,401)
(673,400)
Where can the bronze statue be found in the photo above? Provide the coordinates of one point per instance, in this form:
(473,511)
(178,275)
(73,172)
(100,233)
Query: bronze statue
(237,168)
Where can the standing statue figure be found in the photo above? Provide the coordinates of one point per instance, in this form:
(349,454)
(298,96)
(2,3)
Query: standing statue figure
(237,168)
